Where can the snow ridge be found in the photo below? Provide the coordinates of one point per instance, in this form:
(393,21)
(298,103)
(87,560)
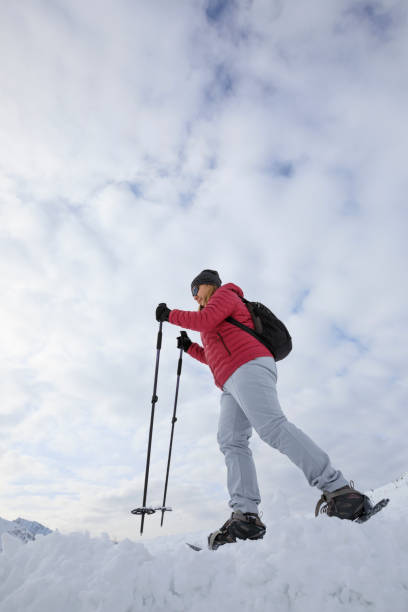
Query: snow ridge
(301,565)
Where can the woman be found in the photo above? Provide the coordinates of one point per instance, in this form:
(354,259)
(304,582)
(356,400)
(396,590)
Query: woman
(245,371)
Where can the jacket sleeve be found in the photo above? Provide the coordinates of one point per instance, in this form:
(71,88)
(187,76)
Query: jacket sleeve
(220,306)
(197,352)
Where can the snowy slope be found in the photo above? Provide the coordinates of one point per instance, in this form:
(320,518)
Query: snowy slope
(302,565)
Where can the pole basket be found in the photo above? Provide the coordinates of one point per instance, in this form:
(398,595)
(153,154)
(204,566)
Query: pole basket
(144,510)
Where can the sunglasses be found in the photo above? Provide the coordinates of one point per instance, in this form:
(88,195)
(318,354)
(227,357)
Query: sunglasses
(194,290)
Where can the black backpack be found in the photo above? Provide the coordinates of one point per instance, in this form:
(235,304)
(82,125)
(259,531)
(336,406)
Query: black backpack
(268,329)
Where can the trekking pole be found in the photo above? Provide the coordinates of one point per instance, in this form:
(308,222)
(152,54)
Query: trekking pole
(173,422)
(143,511)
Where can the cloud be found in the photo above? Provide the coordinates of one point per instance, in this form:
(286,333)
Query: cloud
(142,144)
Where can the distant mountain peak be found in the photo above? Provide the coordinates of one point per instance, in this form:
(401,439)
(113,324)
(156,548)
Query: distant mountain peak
(32,526)
(23,529)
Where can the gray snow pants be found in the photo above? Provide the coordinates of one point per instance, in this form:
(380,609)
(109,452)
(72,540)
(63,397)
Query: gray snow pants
(249,399)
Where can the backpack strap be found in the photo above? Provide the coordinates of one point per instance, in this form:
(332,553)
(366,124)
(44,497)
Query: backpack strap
(253,332)
(244,327)
(249,330)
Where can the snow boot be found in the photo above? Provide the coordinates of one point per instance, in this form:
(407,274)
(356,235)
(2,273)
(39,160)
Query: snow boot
(345,503)
(244,526)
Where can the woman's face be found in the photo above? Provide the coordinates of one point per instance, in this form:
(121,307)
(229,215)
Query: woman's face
(203,291)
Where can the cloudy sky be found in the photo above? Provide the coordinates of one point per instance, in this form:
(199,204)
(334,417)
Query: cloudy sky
(144,141)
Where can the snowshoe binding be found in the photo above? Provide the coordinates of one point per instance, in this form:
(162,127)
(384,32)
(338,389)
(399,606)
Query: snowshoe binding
(244,526)
(349,504)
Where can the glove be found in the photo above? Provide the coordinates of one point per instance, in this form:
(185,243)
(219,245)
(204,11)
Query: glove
(183,341)
(162,312)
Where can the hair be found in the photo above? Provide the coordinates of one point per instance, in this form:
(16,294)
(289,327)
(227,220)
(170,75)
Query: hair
(211,292)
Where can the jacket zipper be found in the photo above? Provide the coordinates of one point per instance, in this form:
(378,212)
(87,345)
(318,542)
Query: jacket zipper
(225,346)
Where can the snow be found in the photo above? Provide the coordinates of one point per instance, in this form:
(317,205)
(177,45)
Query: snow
(303,564)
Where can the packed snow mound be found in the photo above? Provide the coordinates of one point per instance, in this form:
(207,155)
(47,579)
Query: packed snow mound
(23,529)
(303,564)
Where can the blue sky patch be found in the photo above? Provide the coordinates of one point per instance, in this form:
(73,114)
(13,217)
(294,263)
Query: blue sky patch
(186,199)
(220,86)
(281,167)
(135,188)
(379,20)
(350,207)
(216,9)
(300,300)
(340,335)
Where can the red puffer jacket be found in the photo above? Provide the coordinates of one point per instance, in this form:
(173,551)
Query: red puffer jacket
(226,347)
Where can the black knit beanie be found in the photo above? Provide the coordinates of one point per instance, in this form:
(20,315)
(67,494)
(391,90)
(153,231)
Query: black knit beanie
(207,277)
